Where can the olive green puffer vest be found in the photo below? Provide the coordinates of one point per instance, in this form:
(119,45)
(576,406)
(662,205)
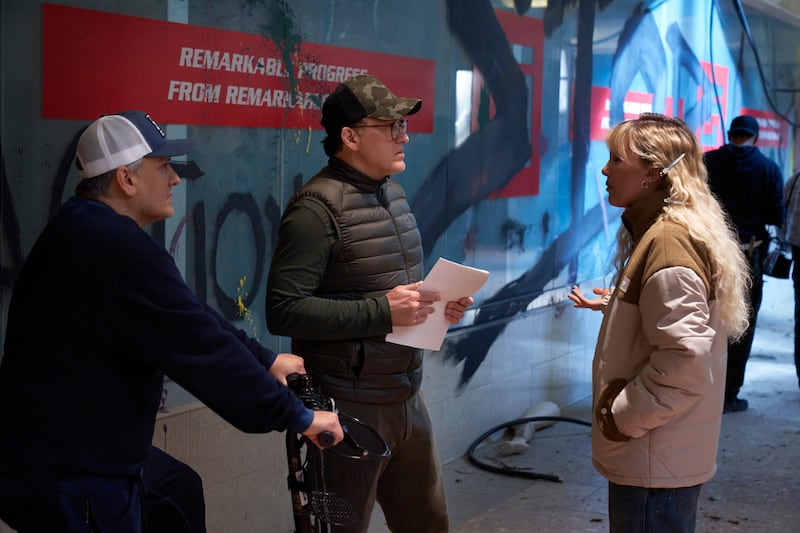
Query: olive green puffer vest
(379,248)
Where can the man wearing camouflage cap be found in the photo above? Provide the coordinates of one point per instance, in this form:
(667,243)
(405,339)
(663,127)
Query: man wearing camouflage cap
(346,270)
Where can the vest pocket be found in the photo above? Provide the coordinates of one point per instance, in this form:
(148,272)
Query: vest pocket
(356,359)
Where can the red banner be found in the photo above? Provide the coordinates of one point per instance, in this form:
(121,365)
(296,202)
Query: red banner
(773,131)
(712,133)
(635,104)
(96,63)
(526,36)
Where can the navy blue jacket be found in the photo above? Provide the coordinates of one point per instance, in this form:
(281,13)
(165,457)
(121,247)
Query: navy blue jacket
(98,315)
(750,187)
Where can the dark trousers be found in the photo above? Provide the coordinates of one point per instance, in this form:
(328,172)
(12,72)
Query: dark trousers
(409,489)
(167,497)
(650,510)
(739,351)
(174,496)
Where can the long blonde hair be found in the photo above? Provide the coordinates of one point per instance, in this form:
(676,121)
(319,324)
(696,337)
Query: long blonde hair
(658,141)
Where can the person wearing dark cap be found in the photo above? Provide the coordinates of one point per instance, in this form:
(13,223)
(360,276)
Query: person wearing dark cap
(749,186)
(99,314)
(346,270)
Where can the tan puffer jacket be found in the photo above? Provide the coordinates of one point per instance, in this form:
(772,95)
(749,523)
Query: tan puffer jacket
(662,334)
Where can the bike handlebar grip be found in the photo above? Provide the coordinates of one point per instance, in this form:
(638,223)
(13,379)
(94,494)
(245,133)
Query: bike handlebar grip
(325,439)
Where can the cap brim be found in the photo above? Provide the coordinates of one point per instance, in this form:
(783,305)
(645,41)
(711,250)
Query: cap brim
(173,148)
(397,108)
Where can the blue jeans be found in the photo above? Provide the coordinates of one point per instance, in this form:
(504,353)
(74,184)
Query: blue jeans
(645,510)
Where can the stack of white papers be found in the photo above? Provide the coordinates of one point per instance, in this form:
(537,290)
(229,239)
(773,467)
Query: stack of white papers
(452,281)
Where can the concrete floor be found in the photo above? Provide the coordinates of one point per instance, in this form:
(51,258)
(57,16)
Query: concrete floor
(756,489)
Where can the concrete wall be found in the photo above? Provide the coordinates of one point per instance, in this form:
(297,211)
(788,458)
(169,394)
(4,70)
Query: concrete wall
(244,476)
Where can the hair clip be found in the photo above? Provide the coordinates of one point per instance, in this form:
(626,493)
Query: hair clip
(667,201)
(669,167)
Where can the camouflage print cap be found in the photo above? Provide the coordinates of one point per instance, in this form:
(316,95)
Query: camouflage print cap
(364,96)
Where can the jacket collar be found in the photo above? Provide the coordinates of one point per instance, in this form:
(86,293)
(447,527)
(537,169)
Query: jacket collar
(640,216)
(354,177)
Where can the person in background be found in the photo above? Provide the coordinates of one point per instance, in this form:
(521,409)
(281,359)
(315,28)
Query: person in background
(345,271)
(657,374)
(749,186)
(790,233)
(99,314)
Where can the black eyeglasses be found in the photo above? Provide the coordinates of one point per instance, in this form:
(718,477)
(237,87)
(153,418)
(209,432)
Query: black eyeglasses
(399,127)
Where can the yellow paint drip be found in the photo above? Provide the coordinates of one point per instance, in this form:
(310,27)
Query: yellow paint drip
(243,311)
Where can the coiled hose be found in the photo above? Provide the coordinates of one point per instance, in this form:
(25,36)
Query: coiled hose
(511,471)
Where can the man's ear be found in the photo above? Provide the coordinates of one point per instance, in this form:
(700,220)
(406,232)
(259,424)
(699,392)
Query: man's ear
(126,181)
(349,138)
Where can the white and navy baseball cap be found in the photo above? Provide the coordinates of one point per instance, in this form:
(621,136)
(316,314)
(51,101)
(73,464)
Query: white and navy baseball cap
(113,141)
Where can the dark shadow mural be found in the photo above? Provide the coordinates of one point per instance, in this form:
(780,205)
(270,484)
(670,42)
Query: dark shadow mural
(495,312)
(491,156)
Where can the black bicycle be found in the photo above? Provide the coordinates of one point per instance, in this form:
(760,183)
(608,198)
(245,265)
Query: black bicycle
(331,484)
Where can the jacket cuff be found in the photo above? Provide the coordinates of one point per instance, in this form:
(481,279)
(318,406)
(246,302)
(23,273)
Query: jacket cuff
(268,358)
(303,421)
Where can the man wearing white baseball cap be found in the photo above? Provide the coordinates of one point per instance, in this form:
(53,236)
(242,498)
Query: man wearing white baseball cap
(99,315)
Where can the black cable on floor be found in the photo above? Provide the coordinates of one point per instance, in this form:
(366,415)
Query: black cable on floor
(511,471)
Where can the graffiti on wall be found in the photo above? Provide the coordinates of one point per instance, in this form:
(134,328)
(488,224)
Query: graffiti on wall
(500,158)
(494,313)
(698,91)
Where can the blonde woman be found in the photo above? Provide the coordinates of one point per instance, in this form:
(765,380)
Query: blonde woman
(659,365)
